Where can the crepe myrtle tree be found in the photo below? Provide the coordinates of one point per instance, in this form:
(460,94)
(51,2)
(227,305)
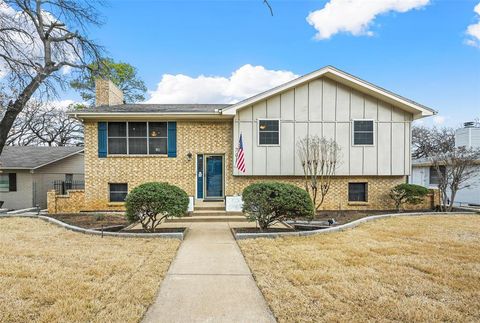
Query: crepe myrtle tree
(151,203)
(320,158)
(455,170)
(41,44)
(407,194)
(271,202)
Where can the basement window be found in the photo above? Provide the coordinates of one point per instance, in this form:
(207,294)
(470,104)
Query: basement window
(357,192)
(118,192)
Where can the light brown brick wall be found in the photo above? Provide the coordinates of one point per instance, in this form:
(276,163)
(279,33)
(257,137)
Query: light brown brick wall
(72,202)
(207,137)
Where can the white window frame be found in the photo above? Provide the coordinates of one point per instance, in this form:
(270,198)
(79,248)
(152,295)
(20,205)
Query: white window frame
(128,141)
(353,133)
(258,132)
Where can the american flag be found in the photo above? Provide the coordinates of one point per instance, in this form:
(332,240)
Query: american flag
(240,156)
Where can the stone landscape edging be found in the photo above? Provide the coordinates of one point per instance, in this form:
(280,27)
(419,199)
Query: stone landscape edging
(165,235)
(353,224)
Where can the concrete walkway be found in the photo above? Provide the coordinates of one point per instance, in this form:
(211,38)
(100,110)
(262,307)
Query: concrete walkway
(209,281)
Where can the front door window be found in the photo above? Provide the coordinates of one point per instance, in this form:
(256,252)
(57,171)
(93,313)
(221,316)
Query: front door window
(214,176)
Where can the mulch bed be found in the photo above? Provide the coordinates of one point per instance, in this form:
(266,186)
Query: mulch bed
(91,221)
(157,230)
(257,230)
(342,217)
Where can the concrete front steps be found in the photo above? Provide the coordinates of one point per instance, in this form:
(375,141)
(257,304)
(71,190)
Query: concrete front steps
(210,212)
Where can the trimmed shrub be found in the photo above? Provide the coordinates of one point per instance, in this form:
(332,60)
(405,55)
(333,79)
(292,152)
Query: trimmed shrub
(270,202)
(150,203)
(407,193)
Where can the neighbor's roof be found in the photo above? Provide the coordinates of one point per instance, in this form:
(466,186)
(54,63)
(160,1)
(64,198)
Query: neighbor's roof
(417,109)
(32,157)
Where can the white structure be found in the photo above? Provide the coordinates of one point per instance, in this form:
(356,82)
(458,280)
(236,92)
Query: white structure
(423,173)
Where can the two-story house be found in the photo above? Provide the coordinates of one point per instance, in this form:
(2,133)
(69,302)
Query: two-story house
(193,145)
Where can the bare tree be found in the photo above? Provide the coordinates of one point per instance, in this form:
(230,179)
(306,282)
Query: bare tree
(455,169)
(40,40)
(45,124)
(427,142)
(320,158)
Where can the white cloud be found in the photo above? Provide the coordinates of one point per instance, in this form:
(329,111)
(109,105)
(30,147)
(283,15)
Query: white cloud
(246,81)
(355,16)
(439,120)
(473,31)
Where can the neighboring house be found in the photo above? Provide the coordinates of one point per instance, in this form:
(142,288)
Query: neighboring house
(425,174)
(194,145)
(28,172)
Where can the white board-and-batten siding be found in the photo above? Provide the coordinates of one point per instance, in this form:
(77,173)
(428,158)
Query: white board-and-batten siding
(325,108)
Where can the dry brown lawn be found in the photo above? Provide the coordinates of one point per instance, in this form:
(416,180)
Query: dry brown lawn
(399,269)
(49,274)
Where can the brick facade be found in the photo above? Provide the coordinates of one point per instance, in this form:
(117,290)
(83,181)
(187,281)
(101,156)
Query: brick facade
(204,137)
(72,202)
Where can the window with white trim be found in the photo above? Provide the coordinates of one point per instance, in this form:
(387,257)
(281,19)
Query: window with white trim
(118,192)
(363,132)
(137,138)
(268,132)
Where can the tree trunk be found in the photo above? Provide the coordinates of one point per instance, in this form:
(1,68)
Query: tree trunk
(14,108)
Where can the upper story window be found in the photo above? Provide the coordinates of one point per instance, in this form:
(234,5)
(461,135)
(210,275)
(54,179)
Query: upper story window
(363,132)
(137,138)
(268,132)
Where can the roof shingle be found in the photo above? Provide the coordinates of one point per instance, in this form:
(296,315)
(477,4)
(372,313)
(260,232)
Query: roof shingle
(31,157)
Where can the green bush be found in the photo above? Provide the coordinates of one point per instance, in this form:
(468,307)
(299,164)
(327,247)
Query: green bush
(268,203)
(407,193)
(150,203)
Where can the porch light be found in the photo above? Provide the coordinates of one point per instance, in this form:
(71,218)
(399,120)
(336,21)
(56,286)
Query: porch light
(189,156)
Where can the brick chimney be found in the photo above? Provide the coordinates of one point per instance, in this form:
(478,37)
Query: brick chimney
(107,93)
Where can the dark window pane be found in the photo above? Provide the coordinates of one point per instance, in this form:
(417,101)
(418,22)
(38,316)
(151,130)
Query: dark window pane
(268,138)
(137,146)
(137,129)
(434,178)
(117,146)
(269,125)
(117,129)
(357,192)
(118,192)
(157,129)
(363,125)
(363,138)
(158,146)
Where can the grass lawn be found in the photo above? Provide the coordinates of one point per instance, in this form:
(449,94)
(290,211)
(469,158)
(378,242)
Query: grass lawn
(49,274)
(398,269)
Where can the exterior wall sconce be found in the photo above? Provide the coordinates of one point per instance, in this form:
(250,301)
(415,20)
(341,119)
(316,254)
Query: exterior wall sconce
(189,156)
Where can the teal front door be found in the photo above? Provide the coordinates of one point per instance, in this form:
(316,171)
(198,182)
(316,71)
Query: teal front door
(214,176)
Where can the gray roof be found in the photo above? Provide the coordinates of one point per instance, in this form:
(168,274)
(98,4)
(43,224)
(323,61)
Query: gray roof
(31,157)
(159,108)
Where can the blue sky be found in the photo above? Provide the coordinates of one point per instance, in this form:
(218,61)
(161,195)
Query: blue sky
(421,53)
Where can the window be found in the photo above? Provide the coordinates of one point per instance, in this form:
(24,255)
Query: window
(8,182)
(434,178)
(357,192)
(363,132)
(117,138)
(118,192)
(137,138)
(157,136)
(268,132)
(4,183)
